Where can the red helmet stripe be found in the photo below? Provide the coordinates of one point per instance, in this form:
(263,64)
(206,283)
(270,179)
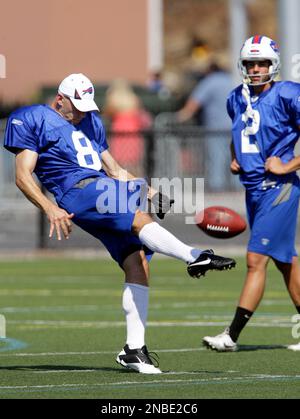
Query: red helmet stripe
(256,39)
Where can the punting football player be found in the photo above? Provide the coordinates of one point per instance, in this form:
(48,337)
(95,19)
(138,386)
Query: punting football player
(266,126)
(65,146)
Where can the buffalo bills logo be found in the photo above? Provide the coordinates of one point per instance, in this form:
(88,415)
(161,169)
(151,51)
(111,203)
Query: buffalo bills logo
(274,46)
(89,90)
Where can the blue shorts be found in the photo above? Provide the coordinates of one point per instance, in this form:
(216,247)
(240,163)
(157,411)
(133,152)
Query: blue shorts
(105,208)
(272,216)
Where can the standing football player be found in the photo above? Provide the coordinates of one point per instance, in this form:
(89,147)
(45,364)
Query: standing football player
(266,126)
(65,146)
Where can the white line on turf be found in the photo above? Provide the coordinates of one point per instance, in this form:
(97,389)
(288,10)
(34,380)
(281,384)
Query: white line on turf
(215,380)
(42,354)
(276,322)
(64,371)
(94,307)
(189,294)
(98,370)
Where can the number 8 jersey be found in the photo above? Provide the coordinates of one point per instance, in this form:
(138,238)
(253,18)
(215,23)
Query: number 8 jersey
(268,127)
(67,153)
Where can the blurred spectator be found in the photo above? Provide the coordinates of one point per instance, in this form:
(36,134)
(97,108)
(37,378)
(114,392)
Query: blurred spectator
(199,48)
(128,119)
(155,82)
(210,96)
(174,83)
(197,63)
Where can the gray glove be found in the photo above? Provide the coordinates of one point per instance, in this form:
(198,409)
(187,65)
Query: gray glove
(162,204)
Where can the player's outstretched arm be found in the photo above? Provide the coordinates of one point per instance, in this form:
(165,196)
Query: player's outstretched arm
(58,218)
(161,202)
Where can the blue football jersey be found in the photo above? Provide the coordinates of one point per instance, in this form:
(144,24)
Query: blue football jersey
(271,129)
(67,153)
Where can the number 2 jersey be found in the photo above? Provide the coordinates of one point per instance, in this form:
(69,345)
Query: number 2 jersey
(67,153)
(273,130)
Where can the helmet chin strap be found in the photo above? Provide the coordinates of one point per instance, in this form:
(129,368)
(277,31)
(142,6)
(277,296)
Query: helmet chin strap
(247,80)
(247,96)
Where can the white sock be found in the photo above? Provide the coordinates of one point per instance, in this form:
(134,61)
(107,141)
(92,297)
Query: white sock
(135,306)
(160,240)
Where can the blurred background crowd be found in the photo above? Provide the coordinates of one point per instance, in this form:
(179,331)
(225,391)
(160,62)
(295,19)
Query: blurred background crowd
(162,70)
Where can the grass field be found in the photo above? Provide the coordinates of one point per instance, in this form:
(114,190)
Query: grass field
(65,326)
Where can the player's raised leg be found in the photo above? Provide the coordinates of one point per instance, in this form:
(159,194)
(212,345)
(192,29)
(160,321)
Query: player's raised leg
(160,240)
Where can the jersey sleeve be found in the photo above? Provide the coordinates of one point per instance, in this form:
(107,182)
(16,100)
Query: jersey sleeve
(290,94)
(99,133)
(229,107)
(296,107)
(102,139)
(19,135)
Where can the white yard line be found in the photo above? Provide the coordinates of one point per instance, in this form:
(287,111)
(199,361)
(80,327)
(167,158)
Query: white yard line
(94,307)
(99,370)
(42,354)
(276,322)
(215,380)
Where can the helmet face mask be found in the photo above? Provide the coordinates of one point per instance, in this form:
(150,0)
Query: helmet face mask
(259,48)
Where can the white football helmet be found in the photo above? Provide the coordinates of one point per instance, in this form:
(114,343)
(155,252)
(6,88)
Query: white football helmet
(259,48)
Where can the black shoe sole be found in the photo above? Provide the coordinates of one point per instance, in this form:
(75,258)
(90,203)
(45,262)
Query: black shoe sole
(124,365)
(193,271)
(207,346)
(136,369)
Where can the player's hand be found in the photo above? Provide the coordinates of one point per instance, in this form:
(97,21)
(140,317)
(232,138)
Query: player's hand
(275,165)
(235,167)
(60,221)
(162,204)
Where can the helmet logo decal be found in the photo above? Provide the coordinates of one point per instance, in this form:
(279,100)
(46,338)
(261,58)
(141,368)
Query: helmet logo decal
(274,46)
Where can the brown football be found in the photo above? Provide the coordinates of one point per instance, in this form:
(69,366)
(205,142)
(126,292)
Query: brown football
(220,222)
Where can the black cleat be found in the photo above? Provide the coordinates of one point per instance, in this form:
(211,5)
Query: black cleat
(138,360)
(208,261)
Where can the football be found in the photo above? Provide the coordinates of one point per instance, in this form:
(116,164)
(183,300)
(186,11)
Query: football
(220,222)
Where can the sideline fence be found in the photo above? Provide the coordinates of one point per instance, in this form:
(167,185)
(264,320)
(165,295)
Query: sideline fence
(168,150)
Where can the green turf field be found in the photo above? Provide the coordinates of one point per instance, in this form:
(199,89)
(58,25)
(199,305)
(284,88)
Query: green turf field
(65,325)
